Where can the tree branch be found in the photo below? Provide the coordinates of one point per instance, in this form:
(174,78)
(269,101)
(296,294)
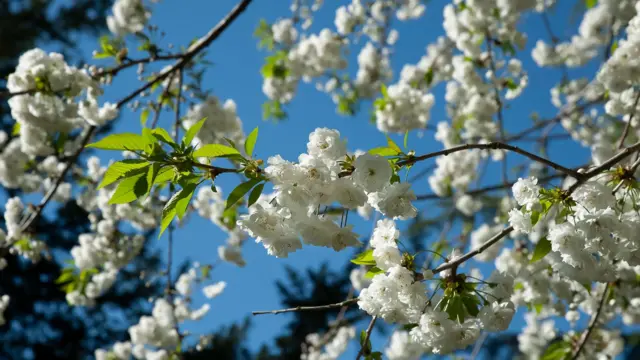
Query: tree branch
(494,146)
(592,325)
(308,308)
(367,337)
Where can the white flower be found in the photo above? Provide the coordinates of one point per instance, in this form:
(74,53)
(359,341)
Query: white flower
(214,290)
(231,254)
(129,16)
(372,172)
(526,191)
(284,32)
(520,221)
(4,303)
(385,234)
(387,257)
(497,316)
(326,143)
(394,201)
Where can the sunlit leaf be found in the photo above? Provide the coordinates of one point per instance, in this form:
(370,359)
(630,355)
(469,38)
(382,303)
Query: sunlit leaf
(239,192)
(124,141)
(250,142)
(121,169)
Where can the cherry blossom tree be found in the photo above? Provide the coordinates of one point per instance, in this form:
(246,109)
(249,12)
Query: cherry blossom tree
(561,241)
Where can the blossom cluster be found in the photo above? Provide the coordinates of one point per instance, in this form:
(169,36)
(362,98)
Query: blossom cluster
(49,100)
(319,180)
(328,350)
(398,296)
(157,336)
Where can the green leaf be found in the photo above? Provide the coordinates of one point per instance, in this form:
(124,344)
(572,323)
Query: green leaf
(182,202)
(428,77)
(250,142)
(393,145)
(165,174)
(557,351)
(455,308)
(383,151)
(130,189)
(255,194)
(152,173)
(177,205)
(408,327)
(535,216)
(192,132)
(65,277)
(16,129)
(101,55)
(364,342)
(383,91)
(510,84)
(214,150)
(614,47)
(543,247)
(144,116)
(239,192)
(124,141)
(122,169)
(373,272)
(518,286)
(365,258)
(162,135)
(406,139)
(538,308)
(230,142)
(590,3)
(471,304)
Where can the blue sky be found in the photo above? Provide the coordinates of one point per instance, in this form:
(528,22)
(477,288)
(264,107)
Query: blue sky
(235,75)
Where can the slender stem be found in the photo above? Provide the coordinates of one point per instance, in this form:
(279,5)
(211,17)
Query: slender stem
(367,337)
(564,113)
(493,146)
(158,105)
(456,262)
(127,64)
(627,127)
(498,99)
(592,325)
(193,50)
(176,123)
(308,308)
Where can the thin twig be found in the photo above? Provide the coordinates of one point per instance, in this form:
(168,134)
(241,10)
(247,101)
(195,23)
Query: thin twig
(307,308)
(193,50)
(133,62)
(493,146)
(456,262)
(498,99)
(158,105)
(627,127)
(543,123)
(592,325)
(367,337)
